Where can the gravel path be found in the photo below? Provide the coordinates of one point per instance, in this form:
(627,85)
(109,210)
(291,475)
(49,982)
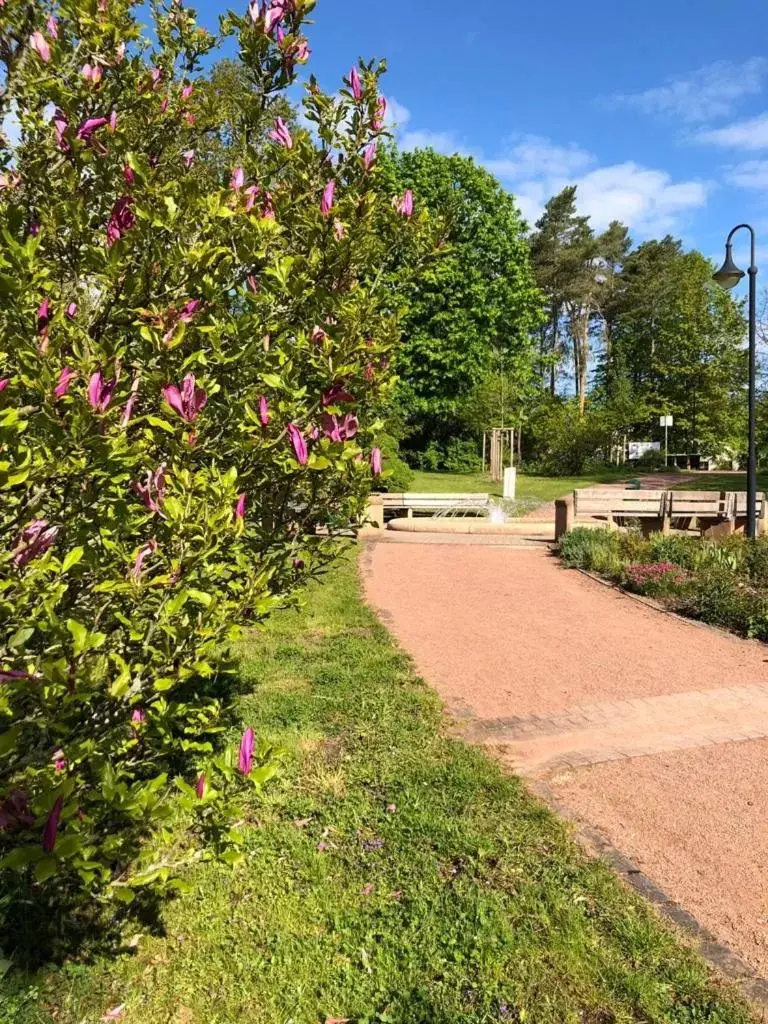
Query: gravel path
(651,728)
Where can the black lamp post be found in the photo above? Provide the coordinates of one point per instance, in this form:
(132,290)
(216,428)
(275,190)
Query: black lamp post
(728,276)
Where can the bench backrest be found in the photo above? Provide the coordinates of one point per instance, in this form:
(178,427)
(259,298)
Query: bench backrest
(700,503)
(411,499)
(740,502)
(595,502)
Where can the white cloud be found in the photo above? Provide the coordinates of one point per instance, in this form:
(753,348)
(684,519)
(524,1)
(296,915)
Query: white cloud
(750,174)
(750,134)
(709,92)
(648,200)
(528,154)
(398,116)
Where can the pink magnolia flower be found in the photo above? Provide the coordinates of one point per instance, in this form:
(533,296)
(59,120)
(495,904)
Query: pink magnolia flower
(240,505)
(156,76)
(356,84)
(339,230)
(281,134)
(39,44)
(264,411)
(129,175)
(251,195)
(245,760)
(376,461)
(92,73)
(71,311)
(253,10)
(8,181)
(301,51)
(404,205)
(200,786)
(318,335)
(121,220)
(298,443)
(34,228)
(189,118)
(275,14)
(340,430)
(337,393)
(120,53)
(4,382)
(326,204)
(53,27)
(34,540)
(188,401)
(125,419)
(268,210)
(60,764)
(65,379)
(188,156)
(61,125)
(101,391)
(381,114)
(253,284)
(52,826)
(152,491)
(141,556)
(186,92)
(113,121)
(43,316)
(238,179)
(369,156)
(138,717)
(89,126)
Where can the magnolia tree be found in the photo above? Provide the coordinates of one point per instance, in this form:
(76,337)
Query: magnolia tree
(189,375)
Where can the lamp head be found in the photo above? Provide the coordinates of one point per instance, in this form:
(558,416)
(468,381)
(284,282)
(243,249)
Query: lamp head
(729,275)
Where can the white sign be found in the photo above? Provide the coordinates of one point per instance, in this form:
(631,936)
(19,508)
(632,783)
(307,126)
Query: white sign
(666,421)
(637,449)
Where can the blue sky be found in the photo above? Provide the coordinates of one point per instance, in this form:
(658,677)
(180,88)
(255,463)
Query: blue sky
(658,110)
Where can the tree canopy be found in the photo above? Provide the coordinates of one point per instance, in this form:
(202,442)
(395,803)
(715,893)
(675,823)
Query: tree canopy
(477,305)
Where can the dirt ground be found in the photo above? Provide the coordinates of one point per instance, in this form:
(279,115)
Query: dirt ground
(657,728)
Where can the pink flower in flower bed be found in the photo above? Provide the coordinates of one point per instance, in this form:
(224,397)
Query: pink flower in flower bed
(651,576)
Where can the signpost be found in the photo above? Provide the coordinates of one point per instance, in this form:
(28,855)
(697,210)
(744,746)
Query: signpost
(666,422)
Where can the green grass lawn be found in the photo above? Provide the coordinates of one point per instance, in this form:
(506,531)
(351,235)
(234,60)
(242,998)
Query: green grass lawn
(392,875)
(529,488)
(722,482)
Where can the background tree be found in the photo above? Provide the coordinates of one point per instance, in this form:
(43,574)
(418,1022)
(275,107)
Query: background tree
(678,343)
(478,299)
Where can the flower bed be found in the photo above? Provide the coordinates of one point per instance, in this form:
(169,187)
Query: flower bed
(724,583)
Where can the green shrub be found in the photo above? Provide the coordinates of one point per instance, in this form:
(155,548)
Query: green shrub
(721,599)
(596,550)
(190,365)
(683,551)
(398,475)
(462,456)
(756,560)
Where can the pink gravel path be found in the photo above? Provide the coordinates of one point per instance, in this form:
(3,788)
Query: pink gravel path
(515,643)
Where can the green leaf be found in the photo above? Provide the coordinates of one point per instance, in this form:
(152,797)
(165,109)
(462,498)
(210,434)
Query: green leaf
(79,635)
(155,421)
(162,685)
(21,857)
(201,597)
(72,558)
(8,739)
(20,637)
(272,380)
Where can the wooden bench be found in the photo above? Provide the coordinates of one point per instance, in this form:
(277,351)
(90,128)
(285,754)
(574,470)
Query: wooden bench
(615,504)
(436,504)
(714,513)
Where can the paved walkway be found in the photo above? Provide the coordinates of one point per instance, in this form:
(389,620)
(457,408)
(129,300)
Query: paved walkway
(652,729)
